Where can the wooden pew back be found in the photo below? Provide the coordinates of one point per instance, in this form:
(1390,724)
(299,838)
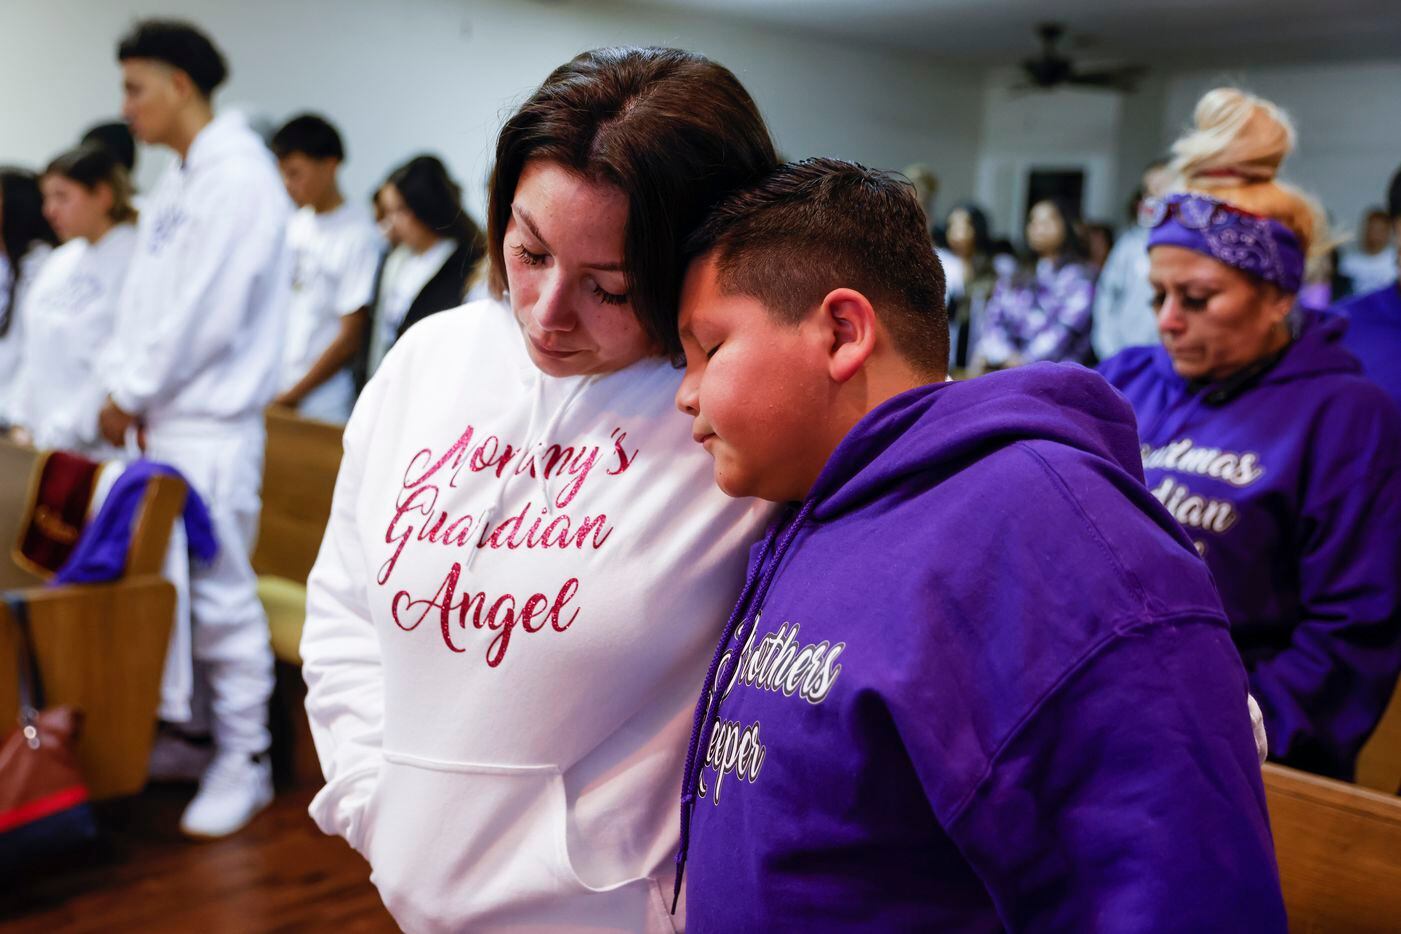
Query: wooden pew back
(299,477)
(17,465)
(1339,852)
(100,647)
(1379,762)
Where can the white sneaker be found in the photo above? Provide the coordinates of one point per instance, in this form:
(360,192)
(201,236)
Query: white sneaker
(176,759)
(235,787)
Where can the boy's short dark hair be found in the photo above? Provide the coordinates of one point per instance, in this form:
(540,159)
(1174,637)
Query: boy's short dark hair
(179,45)
(311,135)
(821,224)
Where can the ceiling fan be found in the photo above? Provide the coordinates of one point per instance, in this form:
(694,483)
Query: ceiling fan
(1052,69)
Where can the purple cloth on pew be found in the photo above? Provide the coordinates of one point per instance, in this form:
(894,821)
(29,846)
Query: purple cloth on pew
(101,551)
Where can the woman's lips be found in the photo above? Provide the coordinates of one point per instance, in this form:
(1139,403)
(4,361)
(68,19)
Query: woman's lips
(547,352)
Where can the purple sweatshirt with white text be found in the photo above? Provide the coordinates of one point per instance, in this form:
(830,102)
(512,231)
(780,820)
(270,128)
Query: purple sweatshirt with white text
(1288,479)
(979,681)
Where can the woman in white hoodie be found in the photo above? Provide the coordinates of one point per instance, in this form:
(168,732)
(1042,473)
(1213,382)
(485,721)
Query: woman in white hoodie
(72,306)
(527,561)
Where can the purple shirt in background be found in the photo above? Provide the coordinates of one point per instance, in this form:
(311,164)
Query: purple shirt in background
(1048,317)
(1374,336)
(987,686)
(1290,485)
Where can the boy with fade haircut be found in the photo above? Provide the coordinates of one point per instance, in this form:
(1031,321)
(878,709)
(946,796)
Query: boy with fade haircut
(192,365)
(335,251)
(977,678)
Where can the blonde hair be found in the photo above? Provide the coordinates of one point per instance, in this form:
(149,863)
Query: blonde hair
(1234,152)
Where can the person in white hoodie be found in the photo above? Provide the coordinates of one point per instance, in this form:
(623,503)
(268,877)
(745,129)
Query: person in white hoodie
(193,364)
(526,560)
(336,250)
(72,305)
(26,243)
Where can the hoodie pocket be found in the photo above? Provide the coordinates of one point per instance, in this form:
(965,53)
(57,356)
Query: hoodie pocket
(457,846)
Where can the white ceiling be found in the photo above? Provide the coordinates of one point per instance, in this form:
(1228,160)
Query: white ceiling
(1165,33)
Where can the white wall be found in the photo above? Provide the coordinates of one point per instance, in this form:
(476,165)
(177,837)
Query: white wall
(1067,128)
(1348,117)
(403,76)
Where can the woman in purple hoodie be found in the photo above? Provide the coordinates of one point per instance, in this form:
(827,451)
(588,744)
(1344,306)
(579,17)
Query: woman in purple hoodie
(1262,438)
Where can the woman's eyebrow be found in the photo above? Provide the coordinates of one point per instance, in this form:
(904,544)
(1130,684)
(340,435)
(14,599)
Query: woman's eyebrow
(524,217)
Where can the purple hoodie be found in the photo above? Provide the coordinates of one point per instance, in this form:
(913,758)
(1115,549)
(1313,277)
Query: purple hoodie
(1289,481)
(980,681)
(1374,336)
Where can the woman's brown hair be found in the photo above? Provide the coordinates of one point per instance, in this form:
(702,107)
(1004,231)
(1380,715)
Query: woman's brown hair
(91,166)
(674,131)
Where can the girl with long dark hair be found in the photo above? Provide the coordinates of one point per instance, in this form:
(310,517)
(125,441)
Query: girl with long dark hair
(26,240)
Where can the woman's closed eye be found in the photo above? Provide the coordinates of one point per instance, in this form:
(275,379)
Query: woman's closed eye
(527,257)
(607,297)
(1189,302)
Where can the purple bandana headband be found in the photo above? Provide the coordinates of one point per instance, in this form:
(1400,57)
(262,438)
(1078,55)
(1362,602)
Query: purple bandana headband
(1258,245)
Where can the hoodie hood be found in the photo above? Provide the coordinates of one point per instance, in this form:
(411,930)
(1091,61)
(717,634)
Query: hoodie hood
(939,429)
(227,136)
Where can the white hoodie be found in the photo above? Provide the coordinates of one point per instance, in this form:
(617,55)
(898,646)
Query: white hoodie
(507,627)
(12,341)
(200,324)
(68,324)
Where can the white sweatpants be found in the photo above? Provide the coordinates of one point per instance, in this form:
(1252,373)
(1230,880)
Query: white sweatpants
(223,462)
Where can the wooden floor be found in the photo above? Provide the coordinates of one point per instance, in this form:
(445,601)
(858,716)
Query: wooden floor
(280,874)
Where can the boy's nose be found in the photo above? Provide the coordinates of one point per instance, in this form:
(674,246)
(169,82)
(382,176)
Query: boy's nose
(687,398)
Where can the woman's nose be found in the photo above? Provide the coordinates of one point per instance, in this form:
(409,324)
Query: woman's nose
(552,309)
(1170,319)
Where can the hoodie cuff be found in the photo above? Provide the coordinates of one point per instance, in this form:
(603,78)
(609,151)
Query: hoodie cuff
(339,808)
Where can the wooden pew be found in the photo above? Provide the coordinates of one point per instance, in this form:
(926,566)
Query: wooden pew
(1339,852)
(17,466)
(100,647)
(1379,762)
(299,477)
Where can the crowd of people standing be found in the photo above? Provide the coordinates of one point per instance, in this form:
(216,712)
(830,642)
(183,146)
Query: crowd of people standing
(1161,569)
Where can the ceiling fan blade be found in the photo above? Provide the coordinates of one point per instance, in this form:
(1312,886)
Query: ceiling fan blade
(1120,79)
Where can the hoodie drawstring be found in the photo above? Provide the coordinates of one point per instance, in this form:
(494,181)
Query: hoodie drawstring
(703,724)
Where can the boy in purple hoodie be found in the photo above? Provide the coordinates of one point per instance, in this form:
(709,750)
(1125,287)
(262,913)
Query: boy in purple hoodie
(977,678)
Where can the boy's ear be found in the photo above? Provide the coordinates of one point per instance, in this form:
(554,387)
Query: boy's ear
(849,319)
(183,85)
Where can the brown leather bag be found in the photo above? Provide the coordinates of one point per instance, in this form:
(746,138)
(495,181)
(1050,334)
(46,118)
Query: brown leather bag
(44,809)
